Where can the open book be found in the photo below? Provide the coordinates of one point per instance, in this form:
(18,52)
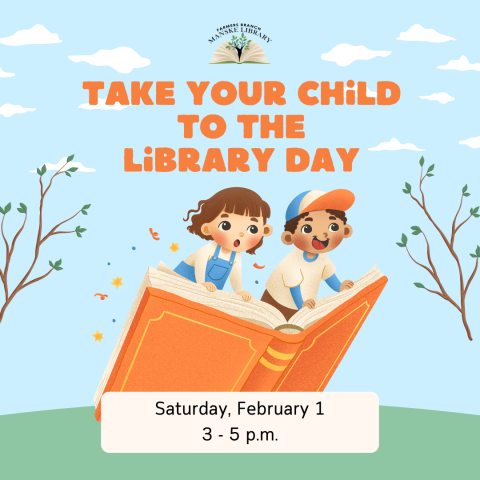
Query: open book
(254,54)
(179,337)
(254,311)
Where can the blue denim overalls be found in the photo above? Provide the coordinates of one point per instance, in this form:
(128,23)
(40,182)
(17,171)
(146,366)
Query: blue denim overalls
(217,270)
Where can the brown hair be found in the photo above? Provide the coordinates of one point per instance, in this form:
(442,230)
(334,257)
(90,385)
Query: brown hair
(237,200)
(292,224)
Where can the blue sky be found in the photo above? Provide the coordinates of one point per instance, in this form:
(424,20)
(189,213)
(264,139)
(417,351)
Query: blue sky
(412,350)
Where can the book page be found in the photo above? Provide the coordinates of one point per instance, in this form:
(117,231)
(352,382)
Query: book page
(254,311)
(222,54)
(254,54)
(306,317)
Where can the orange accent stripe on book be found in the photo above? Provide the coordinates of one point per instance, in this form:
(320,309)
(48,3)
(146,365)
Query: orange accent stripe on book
(280,356)
(271,366)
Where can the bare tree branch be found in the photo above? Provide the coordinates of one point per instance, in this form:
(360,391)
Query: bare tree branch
(471,276)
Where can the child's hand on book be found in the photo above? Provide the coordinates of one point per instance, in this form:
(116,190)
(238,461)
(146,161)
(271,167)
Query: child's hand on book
(346,285)
(247,296)
(310,303)
(210,286)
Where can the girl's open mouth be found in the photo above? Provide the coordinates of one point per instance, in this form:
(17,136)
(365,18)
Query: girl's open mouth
(318,244)
(236,243)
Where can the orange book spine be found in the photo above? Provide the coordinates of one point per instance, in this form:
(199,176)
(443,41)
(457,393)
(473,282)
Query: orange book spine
(271,365)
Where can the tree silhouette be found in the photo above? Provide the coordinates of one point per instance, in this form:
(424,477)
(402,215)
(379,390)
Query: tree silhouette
(448,242)
(239,44)
(9,296)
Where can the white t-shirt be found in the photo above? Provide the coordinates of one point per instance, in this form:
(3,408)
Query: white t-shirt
(297,269)
(200,258)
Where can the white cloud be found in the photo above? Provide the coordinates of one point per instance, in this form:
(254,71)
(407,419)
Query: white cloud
(35,36)
(6,74)
(369,92)
(8,110)
(122,59)
(473,142)
(462,64)
(419,34)
(394,144)
(78,165)
(345,54)
(101,105)
(442,97)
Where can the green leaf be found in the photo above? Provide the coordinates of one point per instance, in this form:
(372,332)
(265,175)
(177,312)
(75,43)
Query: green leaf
(86,207)
(58,263)
(430,175)
(2,211)
(475,210)
(405,191)
(67,174)
(84,212)
(23,206)
(81,230)
(58,269)
(466,194)
(8,207)
(400,244)
(417,232)
(416,228)
(70,158)
(465,188)
(39,172)
(476,215)
(418,285)
(477,251)
(44,169)
(73,169)
(50,263)
(430,168)
(408,187)
(422,161)
(78,234)
(473,255)
(404,238)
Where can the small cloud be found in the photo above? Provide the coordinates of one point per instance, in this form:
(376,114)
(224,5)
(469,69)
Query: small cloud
(101,105)
(345,54)
(394,144)
(369,92)
(6,74)
(419,34)
(122,59)
(442,97)
(462,64)
(473,142)
(35,36)
(63,161)
(8,110)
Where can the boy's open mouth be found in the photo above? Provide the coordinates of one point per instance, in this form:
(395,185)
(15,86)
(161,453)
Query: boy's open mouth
(318,244)
(236,243)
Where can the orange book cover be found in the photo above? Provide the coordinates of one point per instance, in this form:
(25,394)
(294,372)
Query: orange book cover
(174,344)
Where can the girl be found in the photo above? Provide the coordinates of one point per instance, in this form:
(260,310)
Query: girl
(235,219)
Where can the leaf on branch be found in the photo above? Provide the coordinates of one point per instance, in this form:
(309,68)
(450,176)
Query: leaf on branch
(466,194)
(477,251)
(430,175)
(2,211)
(422,161)
(408,188)
(70,158)
(50,263)
(44,169)
(23,208)
(416,230)
(401,244)
(73,169)
(419,285)
(79,235)
(430,168)
(8,207)
(39,172)
(57,265)
(465,188)
(86,207)
(84,212)
(67,174)
(404,239)
(473,255)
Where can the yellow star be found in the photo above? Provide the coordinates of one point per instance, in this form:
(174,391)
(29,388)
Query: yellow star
(98,336)
(174,248)
(117,282)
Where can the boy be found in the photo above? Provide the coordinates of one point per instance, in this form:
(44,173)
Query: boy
(316,224)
